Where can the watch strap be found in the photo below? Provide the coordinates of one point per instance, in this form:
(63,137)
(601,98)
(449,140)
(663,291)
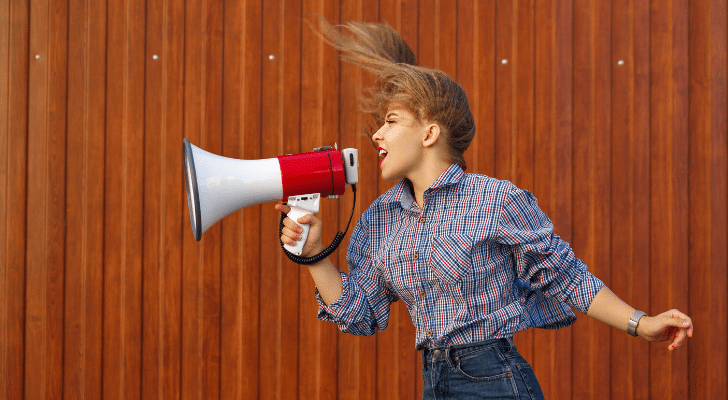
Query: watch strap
(634,320)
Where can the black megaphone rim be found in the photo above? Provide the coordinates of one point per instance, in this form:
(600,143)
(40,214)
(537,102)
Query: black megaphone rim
(193,194)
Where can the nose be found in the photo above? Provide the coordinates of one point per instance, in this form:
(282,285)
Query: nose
(379,134)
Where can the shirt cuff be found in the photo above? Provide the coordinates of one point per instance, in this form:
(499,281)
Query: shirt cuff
(331,311)
(584,292)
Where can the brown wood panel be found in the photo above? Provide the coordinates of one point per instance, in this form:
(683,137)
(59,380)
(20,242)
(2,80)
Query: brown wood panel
(37,327)
(629,193)
(76,195)
(113,202)
(707,194)
(175,216)
(591,180)
(194,253)
(4,132)
(612,113)
(94,81)
(232,361)
(152,262)
(16,200)
(668,183)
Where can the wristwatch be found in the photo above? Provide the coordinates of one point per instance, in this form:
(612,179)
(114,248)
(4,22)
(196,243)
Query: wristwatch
(634,320)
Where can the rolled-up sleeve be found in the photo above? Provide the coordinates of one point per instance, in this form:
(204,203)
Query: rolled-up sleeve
(363,307)
(541,257)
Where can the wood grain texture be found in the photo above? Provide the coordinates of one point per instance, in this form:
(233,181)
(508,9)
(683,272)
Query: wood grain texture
(613,113)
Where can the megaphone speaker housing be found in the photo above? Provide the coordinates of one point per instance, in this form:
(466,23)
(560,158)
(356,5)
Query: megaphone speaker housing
(218,186)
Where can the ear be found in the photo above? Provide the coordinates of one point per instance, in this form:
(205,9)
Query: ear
(431,136)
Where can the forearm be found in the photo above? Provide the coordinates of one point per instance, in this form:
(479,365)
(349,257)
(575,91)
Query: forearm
(327,279)
(606,307)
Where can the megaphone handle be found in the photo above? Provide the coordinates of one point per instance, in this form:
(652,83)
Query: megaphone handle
(295,214)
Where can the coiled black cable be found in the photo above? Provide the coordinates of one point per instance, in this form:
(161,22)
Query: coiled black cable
(327,251)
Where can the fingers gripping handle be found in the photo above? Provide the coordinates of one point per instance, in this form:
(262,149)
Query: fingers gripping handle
(300,206)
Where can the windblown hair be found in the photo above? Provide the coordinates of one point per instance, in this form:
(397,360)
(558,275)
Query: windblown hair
(428,93)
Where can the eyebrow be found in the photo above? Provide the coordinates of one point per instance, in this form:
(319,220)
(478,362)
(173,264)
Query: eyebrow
(391,113)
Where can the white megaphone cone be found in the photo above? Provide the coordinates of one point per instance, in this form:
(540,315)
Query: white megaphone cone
(218,186)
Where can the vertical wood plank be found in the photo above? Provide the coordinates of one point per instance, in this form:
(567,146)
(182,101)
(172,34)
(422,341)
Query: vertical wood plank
(76,197)
(36,269)
(232,358)
(135,32)
(707,212)
(152,263)
(504,79)
(114,212)
(16,184)
(700,194)
(252,129)
(623,195)
(56,222)
(483,108)
(212,130)
(175,216)
(290,114)
(668,184)
(5,56)
(592,186)
(640,139)
(272,140)
(193,252)
(95,56)
(719,195)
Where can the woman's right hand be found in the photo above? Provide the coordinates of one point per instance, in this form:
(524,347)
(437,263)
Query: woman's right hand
(291,232)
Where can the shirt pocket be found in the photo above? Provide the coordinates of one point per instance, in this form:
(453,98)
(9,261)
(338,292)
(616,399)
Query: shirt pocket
(451,257)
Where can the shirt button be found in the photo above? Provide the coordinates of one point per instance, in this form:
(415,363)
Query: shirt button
(422,220)
(416,256)
(423,294)
(429,332)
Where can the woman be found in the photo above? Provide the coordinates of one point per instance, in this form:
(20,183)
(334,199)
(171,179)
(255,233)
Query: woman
(474,258)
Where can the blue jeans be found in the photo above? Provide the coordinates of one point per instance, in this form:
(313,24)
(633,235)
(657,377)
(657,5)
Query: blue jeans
(492,369)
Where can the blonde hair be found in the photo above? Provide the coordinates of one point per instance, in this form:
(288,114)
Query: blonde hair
(428,93)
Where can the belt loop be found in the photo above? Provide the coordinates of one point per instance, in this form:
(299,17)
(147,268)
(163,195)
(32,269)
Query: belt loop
(510,344)
(447,357)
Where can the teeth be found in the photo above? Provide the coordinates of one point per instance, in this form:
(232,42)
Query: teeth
(382,153)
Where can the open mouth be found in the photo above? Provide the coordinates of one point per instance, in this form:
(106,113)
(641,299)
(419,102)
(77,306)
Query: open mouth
(382,155)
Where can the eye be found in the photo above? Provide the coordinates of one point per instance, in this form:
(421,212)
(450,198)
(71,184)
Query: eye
(389,122)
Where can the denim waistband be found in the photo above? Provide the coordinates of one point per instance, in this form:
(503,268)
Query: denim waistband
(436,353)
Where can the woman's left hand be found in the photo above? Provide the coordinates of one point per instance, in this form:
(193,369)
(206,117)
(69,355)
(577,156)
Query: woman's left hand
(670,325)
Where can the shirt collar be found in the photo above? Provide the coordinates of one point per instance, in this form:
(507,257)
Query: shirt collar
(401,192)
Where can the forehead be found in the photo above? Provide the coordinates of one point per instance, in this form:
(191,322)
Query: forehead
(400,111)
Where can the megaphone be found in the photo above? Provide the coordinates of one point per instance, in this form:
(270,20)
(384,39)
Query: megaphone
(218,186)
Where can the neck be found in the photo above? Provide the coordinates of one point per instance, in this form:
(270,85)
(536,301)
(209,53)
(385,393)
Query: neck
(423,179)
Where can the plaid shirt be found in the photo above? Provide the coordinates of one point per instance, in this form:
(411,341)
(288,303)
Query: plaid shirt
(479,261)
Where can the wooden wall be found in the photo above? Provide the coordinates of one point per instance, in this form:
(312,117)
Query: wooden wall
(613,113)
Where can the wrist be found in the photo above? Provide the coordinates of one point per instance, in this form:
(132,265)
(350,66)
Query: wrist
(634,323)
